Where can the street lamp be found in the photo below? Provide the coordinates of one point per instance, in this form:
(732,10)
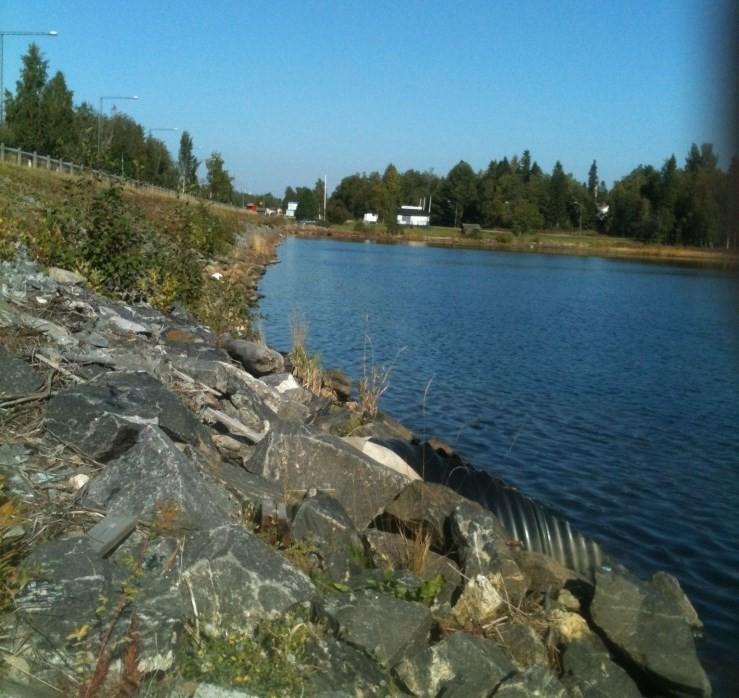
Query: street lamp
(3,34)
(100,115)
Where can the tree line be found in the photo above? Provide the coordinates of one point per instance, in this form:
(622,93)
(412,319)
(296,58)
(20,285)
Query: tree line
(41,117)
(689,205)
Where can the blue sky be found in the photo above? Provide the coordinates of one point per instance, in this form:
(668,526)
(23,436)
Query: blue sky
(289,91)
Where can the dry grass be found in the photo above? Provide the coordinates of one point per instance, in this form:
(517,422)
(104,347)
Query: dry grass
(306,367)
(416,548)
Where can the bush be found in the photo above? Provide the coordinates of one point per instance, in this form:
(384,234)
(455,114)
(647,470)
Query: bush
(504,237)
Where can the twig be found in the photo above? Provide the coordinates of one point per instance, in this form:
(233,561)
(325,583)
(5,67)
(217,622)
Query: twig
(59,368)
(32,397)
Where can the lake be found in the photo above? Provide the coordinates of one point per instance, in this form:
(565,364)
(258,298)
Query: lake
(608,389)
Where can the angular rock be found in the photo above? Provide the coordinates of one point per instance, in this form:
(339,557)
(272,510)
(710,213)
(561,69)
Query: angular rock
(345,671)
(258,359)
(384,456)
(63,276)
(668,585)
(536,681)
(649,628)
(336,380)
(322,520)
(546,575)
(234,579)
(301,459)
(426,506)
(16,376)
(153,474)
(524,645)
(102,419)
(479,603)
(394,551)
(460,663)
(481,541)
(385,628)
(589,672)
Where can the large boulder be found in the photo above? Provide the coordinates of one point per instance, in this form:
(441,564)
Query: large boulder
(234,579)
(301,459)
(154,475)
(385,628)
(459,663)
(649,629)
(102,419)
(535,681)
(257,358)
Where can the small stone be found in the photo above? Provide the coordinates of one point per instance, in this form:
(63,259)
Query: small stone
(77,482)
(568,601)
(63,276)
(479,602)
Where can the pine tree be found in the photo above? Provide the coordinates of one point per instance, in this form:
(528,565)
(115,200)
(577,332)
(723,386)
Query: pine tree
(59,137)
(593,180)
(23,111)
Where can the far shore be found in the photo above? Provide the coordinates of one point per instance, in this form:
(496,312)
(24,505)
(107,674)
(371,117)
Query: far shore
(570,243)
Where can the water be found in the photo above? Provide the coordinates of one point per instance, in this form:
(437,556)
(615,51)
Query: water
(608,389)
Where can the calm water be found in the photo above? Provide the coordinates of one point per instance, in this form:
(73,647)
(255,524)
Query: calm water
(608,389)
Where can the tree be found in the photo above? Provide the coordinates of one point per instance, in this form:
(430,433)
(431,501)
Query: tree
(318,188)
(219,181)
(187,164)
(557,208)
(307,205)
(23,112)
(462,192)
(58,135)
(593,181)
(390,197)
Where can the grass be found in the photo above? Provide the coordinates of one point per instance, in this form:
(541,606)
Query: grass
(306,367)
(587,242)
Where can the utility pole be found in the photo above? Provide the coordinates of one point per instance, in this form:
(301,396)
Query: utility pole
(324,197)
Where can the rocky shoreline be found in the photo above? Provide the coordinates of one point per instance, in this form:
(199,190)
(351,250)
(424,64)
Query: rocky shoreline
(184,519)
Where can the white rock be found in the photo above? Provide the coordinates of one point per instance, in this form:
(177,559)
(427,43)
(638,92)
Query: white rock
(63,276)
(383,456)
(77,482)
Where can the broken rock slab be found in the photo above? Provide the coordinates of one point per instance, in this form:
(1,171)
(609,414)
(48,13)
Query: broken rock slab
(648,627)
(102,419)
(233,579)
(154,474)
(301,459)
(385,628)
(459,662)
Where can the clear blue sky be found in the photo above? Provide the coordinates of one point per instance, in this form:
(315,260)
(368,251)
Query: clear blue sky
(289,91)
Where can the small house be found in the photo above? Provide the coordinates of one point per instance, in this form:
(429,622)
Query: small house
(370,218)
(413,216)
(292,207)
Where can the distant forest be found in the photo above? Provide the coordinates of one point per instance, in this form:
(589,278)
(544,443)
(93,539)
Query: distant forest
(690,205)
(693,204)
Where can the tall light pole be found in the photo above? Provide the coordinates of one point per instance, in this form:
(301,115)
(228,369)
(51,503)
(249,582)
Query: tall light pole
(3,34)
(100,115)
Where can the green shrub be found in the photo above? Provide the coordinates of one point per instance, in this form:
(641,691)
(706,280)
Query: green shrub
(505,237)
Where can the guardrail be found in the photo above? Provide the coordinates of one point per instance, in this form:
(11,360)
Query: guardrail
(23,158)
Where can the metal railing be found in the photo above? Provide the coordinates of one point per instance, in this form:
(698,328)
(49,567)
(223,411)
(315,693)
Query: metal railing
(23,158)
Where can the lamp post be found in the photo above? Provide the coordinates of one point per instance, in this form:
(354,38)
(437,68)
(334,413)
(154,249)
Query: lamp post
(3,34)
(100,115)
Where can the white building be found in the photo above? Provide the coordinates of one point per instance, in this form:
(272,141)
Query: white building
(369,218)
(292,206)
(413,215)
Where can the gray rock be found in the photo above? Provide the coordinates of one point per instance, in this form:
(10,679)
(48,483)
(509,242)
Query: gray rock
(337,381)
(322,520)
(209,690)
(481,541)
(394,551)
(426,506)
(258,359)
(154,473)
(63,276)
(301,459)
(102,419)
(385,628)
(16,376)
(460,664)
(589,672)
(524,645)
(536,681)
(345,672)
(649,628)
(234,579)
(667,584)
